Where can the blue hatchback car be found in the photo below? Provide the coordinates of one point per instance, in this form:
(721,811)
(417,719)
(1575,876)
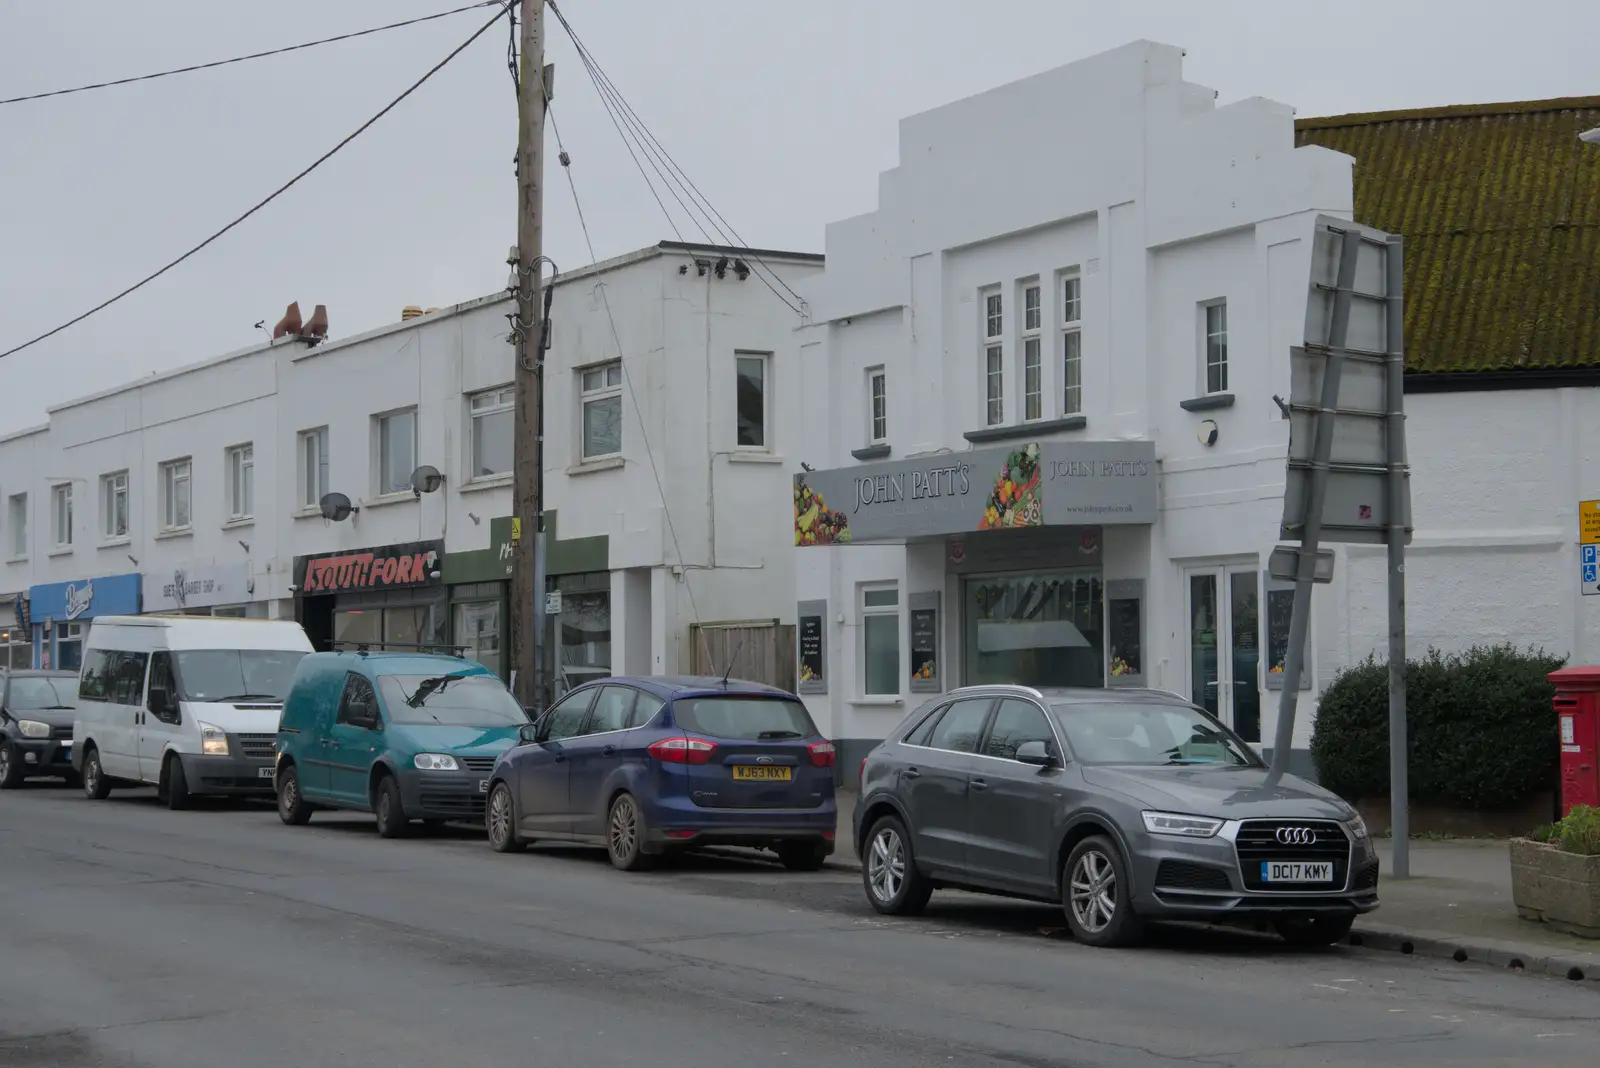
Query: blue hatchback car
(644,766)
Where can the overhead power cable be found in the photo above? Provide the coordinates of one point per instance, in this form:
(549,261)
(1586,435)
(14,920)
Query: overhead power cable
(253,55)
(627,379)
(275,194)
(622,114)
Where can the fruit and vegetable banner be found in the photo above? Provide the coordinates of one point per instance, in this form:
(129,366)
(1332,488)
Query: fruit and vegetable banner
(1031,484)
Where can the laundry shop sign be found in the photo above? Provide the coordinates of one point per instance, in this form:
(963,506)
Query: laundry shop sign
(1028,485)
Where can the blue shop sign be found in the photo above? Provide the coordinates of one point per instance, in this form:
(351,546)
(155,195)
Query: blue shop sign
(110,595)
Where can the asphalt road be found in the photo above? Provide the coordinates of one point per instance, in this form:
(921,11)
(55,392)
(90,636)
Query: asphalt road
(134,937)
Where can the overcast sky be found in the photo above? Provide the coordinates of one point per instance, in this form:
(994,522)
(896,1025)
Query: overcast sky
(782,113)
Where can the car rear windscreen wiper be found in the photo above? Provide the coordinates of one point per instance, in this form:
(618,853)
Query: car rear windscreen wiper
(769,736)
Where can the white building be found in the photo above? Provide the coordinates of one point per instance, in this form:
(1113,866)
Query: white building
(217,473)
(1099,299)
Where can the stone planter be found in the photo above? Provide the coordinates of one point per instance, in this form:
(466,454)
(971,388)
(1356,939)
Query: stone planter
(1556,887)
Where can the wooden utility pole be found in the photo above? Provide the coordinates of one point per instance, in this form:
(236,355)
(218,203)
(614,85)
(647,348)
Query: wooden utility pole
(526,640)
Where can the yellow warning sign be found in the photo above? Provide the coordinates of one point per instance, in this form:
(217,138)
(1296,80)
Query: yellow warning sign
(516,525)
(1588,522)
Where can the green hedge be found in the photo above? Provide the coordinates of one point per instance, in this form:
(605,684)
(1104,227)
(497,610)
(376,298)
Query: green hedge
(1482,729)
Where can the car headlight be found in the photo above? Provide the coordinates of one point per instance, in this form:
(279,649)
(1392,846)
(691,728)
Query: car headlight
(213,740)
(1357,827)
(32,728)
(1181,826)
(435,762)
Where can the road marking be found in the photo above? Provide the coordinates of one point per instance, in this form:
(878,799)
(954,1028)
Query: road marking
(1335,989)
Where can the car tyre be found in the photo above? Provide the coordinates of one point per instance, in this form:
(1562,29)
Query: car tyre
(889,873)
(1097,895)
(11,771)
(96,787)
(174,791)
(392,820)
(1312,931)
(802,856)
(500,821)
(625,831)
(293,809)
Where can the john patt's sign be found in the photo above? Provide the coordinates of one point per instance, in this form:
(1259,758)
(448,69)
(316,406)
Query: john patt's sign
(387,567)
(1036,484)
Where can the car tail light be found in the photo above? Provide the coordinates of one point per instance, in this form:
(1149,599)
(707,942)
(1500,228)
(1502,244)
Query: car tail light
(823,754)
(861,775)
(682,750)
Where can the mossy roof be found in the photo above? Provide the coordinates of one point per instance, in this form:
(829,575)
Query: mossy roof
(1499,205)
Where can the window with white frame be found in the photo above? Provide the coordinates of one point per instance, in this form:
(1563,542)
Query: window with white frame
(114,505)
(880,640)
(241,460)
(17,519)
(177,489)
(600,402)
(877,406)
(1071,344)
(313,466)
(1032,358)
(1216,346)
(493,414)
(994,375)
(397,450)
(753,400)
(61,515)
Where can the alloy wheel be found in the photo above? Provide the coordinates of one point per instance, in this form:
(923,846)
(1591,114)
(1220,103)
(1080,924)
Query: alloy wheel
(1093,893)
(886,865)
(500,817)
(5,762)
(91,773)
(624,828)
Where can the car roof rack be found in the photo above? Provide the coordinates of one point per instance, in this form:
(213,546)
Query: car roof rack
(362,647)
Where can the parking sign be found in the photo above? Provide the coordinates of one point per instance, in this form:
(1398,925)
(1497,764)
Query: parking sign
(1589,569)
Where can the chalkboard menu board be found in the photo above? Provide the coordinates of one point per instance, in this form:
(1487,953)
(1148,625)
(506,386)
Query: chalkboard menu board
(1280,609)
(924,618)
(1125,632)
(925,644)
(811,649)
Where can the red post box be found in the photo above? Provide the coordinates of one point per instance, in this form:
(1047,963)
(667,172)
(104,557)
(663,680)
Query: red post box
(1577,706)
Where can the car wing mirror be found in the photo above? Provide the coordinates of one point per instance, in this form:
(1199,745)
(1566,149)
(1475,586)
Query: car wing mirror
(528,734)
(1037,754)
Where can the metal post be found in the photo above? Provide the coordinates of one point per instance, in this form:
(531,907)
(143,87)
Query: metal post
(1399,775)
(1311,529)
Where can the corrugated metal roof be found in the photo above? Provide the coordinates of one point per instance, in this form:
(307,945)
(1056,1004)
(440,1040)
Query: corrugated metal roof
(1500,208)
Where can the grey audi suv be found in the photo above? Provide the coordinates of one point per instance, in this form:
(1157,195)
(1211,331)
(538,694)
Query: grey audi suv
(1123,805)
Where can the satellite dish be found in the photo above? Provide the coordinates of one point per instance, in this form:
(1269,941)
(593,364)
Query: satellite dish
(336,506)
(426,479)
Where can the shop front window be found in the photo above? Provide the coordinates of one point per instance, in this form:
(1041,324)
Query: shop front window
(16,649)
(478,629)
(69,645)
(399,625)
(584,639)
(1044,629)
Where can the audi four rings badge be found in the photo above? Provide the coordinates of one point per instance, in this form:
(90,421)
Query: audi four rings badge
(1296,835)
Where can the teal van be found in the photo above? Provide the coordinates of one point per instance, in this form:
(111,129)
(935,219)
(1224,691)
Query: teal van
(406,736)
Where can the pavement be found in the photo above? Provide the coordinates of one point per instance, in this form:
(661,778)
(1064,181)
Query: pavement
(135,937)
(1456,904)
